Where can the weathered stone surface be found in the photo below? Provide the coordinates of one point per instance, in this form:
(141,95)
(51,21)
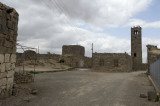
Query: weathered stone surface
(34,91)
(7,58)
(73,50)
(13,58)
(3,75)
(2,67)
(8,44)
(9,81)
(13,66)
(8,66)
(2,41)
(3,81)
(10,74)
(1,58)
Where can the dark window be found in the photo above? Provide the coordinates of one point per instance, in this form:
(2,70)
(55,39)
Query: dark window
(135,55)
(116,63)
(101,62)
(135,32)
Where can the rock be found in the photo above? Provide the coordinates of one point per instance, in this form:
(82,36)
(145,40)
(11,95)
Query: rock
(14,92)
(15,85)
(34,91)
(143,96)
(152,95)
(27,99)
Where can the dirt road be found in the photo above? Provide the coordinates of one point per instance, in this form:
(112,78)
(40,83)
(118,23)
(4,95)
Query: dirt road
(84,88)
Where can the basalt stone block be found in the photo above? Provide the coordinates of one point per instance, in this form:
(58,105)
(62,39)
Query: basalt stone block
(7,58)
(8,43)
(10,25)
(1,58)
(3,75)
(8,66)
(10,74)
(2,49)
(4,29)
(2,41)
(13,58)
(13,66)
(8,50)
(3,81)
(2,67)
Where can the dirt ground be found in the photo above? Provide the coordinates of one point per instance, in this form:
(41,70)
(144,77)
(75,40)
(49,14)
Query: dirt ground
(84,88)
(42,65)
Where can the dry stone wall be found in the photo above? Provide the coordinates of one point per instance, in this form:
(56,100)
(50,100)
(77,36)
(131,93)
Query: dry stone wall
(8,37)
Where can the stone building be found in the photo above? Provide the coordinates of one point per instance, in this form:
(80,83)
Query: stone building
(73,50)
(74,55)
(112,62)
(153,54)
(136,48)
(8,37)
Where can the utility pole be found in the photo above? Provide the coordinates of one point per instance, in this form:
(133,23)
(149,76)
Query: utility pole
(92,54)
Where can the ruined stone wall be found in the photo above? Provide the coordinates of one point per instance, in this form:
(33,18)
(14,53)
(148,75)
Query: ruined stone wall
(8,37)
(73,50)
(112,62)
(153,54)
(144,66)
(77,62)
(87,62)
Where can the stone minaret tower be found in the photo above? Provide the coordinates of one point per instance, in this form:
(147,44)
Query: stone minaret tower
(136,47)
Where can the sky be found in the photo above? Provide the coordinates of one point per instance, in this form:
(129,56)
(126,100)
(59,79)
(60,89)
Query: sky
(50,24)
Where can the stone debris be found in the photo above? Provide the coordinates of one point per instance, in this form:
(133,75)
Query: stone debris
(23,78)
(143,96)
(34,91)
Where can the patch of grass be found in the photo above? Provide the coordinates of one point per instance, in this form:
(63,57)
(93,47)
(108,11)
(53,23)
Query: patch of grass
(68,65)
(157,98)
(40,63)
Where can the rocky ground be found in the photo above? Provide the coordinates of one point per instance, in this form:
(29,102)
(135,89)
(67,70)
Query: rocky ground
(84,88)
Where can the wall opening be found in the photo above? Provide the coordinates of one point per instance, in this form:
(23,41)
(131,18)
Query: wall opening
(135,55)
(136,32)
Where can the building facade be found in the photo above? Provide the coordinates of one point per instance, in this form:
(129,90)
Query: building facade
(119,62)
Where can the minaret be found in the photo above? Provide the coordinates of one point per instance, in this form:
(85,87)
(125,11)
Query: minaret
(136,47)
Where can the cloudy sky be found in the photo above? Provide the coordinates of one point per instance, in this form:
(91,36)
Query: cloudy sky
(106,23)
